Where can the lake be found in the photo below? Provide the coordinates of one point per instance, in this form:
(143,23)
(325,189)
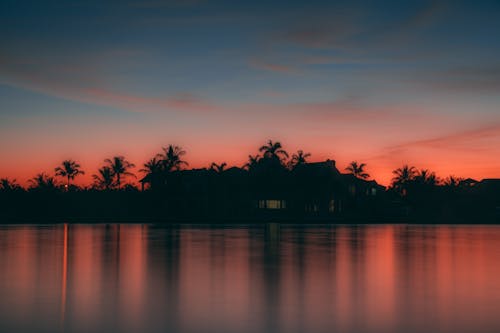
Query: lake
(249,278)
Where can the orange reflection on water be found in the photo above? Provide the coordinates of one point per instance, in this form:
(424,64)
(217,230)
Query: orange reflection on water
(132,274)
(64,282)
(130,278)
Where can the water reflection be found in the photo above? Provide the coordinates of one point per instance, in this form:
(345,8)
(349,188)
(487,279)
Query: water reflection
(131,278)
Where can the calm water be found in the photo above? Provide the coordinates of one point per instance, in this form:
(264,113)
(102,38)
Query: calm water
(142,278)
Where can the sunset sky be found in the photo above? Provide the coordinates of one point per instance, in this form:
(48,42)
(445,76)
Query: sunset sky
(381,82)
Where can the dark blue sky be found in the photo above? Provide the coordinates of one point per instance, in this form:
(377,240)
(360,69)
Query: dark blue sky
(385,82)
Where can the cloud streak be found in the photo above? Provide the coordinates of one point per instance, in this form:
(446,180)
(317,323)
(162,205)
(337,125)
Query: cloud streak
(180,102)
(478,79)
(83,82)
(466,141)
(273,67)
(454,139)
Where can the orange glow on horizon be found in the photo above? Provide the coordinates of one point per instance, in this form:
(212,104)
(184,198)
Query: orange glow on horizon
(381,171)
(461,155)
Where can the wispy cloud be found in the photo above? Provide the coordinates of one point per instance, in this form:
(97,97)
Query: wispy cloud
(481,78)
(329,60)
(155,4)
(466,142)
(427,15)
(273,67)
(83,82)
(315,29)
(80,81)
(456,139)
(179,102)
(402,30)
(354,32)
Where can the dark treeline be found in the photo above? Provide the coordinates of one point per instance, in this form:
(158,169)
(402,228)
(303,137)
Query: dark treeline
(272,185)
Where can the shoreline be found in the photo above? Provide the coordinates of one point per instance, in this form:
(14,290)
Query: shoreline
(245,221)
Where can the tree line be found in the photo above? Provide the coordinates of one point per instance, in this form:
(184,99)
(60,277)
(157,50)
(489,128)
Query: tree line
(115,171)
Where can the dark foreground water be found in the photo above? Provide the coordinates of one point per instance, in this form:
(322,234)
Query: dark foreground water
(143,278)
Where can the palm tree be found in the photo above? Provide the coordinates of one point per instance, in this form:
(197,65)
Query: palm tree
(120,166)
(425,177)
(452,182)
(358,170)
(69,169)
(219,168)
(153,170)
(43,182)
(104,179)
(171,158)
(252,162)
(273,150)
(152,167)
(130,188)
(299,158)
(402,176)
(9,185)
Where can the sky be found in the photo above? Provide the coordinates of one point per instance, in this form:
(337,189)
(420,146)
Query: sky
(386,83)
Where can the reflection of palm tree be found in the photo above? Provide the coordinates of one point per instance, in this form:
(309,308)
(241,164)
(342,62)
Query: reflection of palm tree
(299,158)
(273,150)
(104,179)
(171,158)
(219,168)
(252,162)
(69,169)
(9,185)
(120,166)
(402,176)
(358,170)
(43,182)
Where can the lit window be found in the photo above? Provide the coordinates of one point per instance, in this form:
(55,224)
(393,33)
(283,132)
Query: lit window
(271,204)
(331,206)
(275,204)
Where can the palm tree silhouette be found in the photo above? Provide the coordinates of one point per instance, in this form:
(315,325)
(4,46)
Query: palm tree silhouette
(273,150)
(426,177)
(153,170)
(452,182)
(402,176)
(152,167)
(104,179)
(171,158)
(219,168)
(120,166)
(358,170)
(299,158)
(68,169)
(7,184)
(43,182)
(253,160)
